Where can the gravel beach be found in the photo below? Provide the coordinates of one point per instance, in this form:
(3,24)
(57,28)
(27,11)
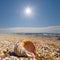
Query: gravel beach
(47,47)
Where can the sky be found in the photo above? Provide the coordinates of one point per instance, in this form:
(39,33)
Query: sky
(45,14)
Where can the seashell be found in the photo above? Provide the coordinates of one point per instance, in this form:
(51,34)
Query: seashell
(25,48)
(18,49)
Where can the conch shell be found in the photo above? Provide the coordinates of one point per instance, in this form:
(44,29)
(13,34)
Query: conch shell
(25,48)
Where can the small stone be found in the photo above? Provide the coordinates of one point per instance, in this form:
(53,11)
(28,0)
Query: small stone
(7,58)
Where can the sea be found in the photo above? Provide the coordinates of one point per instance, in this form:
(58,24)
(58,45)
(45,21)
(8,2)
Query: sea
(39,34)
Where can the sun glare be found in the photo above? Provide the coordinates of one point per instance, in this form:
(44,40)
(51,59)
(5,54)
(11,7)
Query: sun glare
(28,11)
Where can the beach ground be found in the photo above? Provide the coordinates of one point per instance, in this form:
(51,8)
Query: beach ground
(47,47)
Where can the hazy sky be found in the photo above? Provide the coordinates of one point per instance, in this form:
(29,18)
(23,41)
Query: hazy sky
(44,13)
(44,17)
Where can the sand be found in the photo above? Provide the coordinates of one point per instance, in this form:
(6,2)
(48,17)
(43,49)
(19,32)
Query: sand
(47,47)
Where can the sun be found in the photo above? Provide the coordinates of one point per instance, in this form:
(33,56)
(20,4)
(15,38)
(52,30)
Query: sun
(28,11)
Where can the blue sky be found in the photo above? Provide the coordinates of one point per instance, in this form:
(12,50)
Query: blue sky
(44,13)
